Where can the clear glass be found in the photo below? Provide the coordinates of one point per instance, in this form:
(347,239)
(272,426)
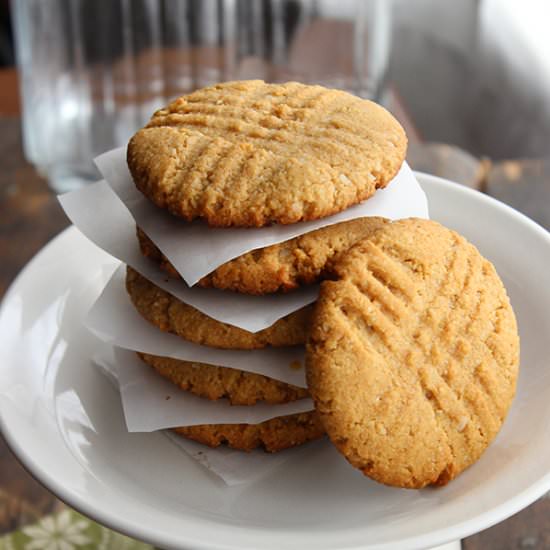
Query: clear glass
(93,71)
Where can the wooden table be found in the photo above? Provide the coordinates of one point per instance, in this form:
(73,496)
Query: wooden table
(30,216)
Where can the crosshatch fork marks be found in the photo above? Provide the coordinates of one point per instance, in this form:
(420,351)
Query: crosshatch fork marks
(431,372)
(314,153)
(271,133)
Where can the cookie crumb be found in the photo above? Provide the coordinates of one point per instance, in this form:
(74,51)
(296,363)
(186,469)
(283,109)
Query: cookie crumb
(295,365)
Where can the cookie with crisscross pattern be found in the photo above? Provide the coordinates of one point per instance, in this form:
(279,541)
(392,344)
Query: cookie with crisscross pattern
(251,154)
(413,354)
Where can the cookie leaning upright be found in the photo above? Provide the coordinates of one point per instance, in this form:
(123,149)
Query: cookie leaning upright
(251,154)
(413,354)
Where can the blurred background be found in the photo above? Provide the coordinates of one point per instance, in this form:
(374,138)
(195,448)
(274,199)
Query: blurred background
(474,73)
(468,79)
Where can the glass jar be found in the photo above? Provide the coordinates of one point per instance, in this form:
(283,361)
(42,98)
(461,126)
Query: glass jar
(93,71)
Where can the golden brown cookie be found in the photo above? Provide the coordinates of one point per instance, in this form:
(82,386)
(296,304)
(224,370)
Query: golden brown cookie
(251,154)
(281,267)
(172,315)
(239,387)
(413,354)
(273,435)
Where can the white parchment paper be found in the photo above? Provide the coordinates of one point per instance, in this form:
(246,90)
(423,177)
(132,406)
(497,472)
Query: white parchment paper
(152,403)
(235,467)
(195,249)
(231,466)
(114,319)
(100,215)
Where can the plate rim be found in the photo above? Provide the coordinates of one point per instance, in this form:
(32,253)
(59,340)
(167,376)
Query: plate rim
(440,536)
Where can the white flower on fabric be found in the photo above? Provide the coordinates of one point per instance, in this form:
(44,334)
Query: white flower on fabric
(59,532)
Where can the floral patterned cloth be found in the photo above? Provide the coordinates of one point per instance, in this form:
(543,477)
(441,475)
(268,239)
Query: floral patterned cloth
(68,530)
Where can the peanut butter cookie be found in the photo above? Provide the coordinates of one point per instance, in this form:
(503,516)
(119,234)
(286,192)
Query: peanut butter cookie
(281,267)
(250,154)
(273,435)
(213,382)
(413,355)
(171,315)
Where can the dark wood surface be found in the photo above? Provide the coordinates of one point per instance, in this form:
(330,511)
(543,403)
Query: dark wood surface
(30,216)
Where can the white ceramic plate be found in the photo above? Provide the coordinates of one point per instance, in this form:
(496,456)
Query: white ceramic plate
(65,423)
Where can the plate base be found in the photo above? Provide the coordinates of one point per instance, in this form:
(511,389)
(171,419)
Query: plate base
(456,545)
(65,422)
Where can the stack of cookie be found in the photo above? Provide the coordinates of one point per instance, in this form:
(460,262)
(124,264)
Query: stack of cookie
(412,346)
(250,154)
